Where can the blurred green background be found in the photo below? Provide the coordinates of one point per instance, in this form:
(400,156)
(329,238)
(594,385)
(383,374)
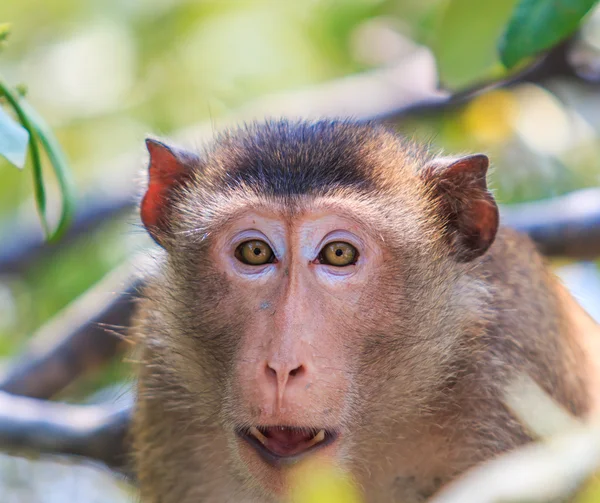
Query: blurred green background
(106,74)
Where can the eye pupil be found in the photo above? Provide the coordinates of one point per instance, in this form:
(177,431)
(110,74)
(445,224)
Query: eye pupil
(256,251)
(339,252)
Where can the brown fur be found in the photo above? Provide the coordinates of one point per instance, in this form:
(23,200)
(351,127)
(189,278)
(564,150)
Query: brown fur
(433,342)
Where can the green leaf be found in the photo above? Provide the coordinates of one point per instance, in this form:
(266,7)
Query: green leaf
(14,140)
(537,25)
(34,153)
(60,166)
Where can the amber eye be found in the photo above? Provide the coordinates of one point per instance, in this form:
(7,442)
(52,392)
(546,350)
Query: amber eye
(254,252)
(339,254)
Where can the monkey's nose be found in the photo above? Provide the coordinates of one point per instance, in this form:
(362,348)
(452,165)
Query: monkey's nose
(281,376)
(279,370)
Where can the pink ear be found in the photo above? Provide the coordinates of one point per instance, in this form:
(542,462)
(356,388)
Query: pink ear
(465,203)
(166,171)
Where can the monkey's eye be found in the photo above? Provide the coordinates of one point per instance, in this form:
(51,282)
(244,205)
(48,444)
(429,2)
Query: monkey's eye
(254,252)
(338,254)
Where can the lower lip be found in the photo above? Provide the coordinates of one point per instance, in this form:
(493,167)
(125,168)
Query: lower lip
(278,461)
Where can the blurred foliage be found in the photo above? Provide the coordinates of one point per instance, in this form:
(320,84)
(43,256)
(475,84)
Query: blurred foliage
(466,40)
(315,481)
(590,493)
(4,32)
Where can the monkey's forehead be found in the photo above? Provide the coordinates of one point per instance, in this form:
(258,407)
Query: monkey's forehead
(285,158)
(379,219)
(288,168)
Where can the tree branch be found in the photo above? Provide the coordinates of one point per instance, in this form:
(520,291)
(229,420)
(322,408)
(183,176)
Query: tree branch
(567,226)
(40,426)
(81,338)
(27,243)
(554,63)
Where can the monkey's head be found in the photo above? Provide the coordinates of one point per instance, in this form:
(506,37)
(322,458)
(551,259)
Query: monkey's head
(316,288)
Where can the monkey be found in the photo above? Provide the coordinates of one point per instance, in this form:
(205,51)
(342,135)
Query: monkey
(331,290)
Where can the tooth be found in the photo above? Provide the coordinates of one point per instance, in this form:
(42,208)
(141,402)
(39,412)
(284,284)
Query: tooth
(259,436)
(319,437)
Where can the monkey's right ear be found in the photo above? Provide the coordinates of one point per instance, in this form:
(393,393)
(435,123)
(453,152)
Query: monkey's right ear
(467,207)
(167,170)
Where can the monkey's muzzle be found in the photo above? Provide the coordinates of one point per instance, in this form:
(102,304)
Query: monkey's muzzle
(281,445)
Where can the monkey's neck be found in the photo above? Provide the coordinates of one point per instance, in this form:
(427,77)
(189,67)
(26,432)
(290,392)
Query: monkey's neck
(538,328)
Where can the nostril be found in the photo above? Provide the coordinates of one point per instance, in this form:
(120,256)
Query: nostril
(271,371)
(297,371)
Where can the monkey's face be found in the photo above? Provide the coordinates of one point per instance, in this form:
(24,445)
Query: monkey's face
(312,325)
(315,291)
(301,284)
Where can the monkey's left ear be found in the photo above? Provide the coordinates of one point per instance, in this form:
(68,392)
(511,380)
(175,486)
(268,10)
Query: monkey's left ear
(168,169)
(466,205)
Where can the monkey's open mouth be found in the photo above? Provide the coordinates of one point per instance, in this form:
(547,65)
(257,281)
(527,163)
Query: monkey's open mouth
(279,445)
